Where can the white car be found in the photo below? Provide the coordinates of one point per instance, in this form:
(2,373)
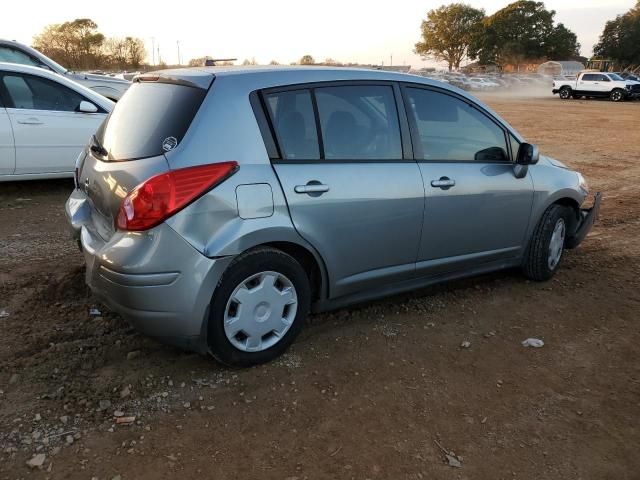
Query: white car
(45,122)
(111,87)
(478,83)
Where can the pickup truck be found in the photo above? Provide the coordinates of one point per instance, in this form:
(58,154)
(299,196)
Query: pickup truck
(597,84)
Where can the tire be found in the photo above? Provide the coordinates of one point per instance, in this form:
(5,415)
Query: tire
(565,93)
(616,95)
(270,323)
(576,97)
(542,258)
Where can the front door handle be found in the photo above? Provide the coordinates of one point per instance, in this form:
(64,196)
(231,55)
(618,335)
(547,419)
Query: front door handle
(444,183)
(30,121)
(313,188)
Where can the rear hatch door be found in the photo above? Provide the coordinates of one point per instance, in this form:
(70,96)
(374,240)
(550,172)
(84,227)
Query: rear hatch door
(151,118)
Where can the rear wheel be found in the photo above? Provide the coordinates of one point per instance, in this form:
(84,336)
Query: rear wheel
(616,95)
(258,308)
(546,246)
(565,93)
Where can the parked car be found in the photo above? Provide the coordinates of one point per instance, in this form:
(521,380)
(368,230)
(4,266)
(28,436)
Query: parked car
(629,76)
(45,121)
(478,83)
(597,84)
(216,208)
(111,87)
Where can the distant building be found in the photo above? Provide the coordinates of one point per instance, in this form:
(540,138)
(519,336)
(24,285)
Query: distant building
(477,67)
(563,68)
(526,66)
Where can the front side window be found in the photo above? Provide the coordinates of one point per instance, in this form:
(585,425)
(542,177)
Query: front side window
(11,55)
(449,129)
(293,119)
(359,122)
(35,93)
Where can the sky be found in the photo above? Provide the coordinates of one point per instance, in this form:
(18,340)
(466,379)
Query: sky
(360,31)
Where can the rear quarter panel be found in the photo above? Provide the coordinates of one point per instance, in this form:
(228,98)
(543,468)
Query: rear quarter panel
(212,224)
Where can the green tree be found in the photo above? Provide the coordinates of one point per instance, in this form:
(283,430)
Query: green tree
(448,32)
(307,60)
(562,44)
(521,31)
(620,39)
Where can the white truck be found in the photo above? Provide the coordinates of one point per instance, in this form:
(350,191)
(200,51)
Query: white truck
(597,84)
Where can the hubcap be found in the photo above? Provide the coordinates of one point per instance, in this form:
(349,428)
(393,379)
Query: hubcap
(616,96)
(260,311)
(556,244)
(564,93)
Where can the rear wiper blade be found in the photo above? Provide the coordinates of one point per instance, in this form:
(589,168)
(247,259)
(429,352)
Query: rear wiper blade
(96,146)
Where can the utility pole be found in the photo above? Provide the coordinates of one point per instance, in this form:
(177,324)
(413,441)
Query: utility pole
(178,44)
(391,63)
(153,50)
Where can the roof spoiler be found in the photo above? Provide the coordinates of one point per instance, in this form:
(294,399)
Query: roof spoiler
(186,78)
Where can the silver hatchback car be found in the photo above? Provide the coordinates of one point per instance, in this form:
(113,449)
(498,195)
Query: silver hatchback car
(217,207)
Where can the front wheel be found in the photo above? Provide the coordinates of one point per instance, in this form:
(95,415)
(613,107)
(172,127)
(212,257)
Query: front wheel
(617,95)
(565,93)
(258,308)
(544,254)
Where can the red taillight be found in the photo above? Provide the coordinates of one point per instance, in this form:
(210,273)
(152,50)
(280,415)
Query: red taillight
(159,197)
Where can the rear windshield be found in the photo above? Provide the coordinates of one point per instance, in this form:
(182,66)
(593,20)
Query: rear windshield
(149,120)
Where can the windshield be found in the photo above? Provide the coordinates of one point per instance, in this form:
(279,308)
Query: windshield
(615,77)
(150,119)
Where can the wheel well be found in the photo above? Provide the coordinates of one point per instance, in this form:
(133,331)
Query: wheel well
(575,208)
(308,262)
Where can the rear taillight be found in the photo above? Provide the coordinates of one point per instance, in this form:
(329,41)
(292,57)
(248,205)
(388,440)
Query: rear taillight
(163,195)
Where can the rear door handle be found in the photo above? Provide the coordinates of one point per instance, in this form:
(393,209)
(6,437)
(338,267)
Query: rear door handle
(30,121)
(311,187)
(443,183)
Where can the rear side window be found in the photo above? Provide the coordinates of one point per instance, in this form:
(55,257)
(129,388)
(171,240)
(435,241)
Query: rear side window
(359,122)
(589,77)
(292,116)
(35,93)
(449,129)
(11,55)
(150,119)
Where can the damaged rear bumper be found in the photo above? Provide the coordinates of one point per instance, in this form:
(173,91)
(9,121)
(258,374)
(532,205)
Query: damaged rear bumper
(587,218)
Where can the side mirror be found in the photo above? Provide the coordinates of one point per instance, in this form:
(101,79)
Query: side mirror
(528,154)
(87,107)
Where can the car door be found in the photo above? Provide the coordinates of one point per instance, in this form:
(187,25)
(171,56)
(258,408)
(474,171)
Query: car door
(476,210)
(48,129)
(352,192)
(592,83)
(7,148)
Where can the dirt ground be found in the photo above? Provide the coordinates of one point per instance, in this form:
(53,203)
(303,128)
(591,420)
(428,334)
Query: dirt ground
(366,392)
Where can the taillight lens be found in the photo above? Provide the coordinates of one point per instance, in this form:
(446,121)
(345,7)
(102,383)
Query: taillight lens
(163,195)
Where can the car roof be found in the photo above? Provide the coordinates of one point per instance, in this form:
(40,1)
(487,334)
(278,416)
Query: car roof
(56,67)
(41,72)
(261,77)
